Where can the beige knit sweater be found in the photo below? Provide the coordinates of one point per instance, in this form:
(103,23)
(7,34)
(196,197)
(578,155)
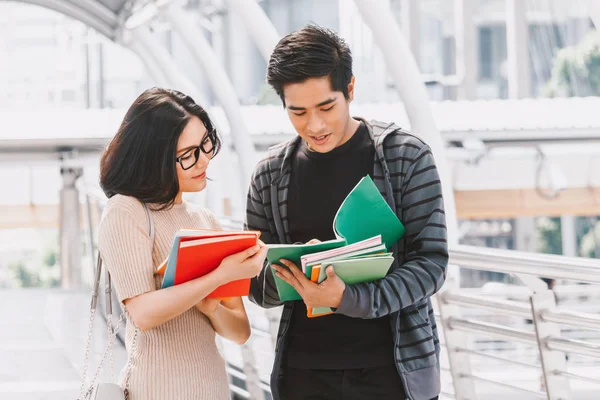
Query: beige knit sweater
(179,359)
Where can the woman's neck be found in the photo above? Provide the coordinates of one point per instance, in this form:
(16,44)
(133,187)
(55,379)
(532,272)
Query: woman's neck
(179,198)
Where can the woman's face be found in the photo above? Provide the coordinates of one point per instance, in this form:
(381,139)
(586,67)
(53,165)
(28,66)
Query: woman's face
(194,178)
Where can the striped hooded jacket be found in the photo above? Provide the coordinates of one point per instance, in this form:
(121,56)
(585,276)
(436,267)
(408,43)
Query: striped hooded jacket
(406,175)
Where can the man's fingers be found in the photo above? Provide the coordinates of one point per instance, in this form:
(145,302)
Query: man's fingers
(289,277)
(293,268)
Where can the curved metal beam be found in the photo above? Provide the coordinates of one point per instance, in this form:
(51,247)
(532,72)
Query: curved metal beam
(403,68)
(257,23)
(176,79)
(150,63)
(157,61)
(77,13)
(99,10)
(206,58)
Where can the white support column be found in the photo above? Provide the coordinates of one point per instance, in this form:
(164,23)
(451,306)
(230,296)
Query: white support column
(70,228)
(410,14)
(159,76)
(557,386)
(403,68)
(257,23)
(517,45)
(593,7)
(176,78)
(206,58)
(568,235)
(466,49)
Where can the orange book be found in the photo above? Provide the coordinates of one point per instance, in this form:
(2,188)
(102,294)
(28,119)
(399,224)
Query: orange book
(197,253)
(314,277)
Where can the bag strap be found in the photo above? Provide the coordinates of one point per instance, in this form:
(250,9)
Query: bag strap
(112,332)
(108,285)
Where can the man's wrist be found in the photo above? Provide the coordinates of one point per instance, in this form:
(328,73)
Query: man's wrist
(339,298)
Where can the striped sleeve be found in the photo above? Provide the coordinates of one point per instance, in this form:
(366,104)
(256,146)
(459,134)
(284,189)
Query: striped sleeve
(263,291)
(425,251)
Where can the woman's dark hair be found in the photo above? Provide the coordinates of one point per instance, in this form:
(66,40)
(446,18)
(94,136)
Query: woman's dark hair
(312,52)
(140,159)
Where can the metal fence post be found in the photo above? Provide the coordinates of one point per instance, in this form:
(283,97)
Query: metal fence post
(460,364)
(557,386)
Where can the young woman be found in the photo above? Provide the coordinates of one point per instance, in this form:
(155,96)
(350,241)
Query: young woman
(161,150)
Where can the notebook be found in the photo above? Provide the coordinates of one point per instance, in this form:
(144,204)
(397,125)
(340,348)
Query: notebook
(352,271)
(195,253)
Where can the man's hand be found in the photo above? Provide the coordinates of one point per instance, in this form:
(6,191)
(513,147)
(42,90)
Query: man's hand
(329,293)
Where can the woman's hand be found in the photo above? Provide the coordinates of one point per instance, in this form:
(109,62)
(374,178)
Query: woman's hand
(228,318)
(208,306)
(245,264)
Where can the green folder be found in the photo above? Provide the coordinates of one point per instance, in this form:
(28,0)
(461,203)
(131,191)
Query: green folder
(364,213)
(293,253)
(356,270)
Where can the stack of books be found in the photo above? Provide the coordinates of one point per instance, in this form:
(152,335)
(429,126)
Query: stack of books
(365,229)
(196,252)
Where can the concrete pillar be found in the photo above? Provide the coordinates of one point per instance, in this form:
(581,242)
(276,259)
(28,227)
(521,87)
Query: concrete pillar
(517,45)
(569,236)
(526,234)
(466,49)
(70,233)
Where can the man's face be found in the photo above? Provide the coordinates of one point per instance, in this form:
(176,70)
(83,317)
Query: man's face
(319,115)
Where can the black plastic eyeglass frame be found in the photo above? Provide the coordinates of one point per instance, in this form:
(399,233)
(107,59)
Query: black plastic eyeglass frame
(211,136)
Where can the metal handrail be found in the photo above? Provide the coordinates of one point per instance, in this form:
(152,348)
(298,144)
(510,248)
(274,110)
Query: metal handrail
(540,395)
(506,307)
(517,262)
(577,376)
(515,308)
(542,312)
(492,357)
(574,346)
(468,325)
(574,318)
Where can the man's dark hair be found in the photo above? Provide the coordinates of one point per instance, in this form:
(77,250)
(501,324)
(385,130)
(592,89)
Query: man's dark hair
(311,52)
(140,159)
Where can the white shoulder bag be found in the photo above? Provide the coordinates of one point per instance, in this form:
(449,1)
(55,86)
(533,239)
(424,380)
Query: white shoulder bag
(103,390)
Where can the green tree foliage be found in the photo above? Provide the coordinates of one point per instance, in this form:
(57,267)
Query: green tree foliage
(590,242)
(23,276)
(576,70)
(549,235)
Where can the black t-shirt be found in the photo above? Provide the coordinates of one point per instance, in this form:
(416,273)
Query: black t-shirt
(319,184)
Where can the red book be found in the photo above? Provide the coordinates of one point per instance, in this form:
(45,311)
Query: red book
(201,253)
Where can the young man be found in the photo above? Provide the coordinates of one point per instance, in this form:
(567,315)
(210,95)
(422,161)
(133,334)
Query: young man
(382,341)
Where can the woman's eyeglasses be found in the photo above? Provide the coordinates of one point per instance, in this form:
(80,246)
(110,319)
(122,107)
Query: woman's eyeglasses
(188,159)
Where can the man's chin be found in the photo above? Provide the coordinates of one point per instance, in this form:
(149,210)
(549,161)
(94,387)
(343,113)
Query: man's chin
(324,148)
